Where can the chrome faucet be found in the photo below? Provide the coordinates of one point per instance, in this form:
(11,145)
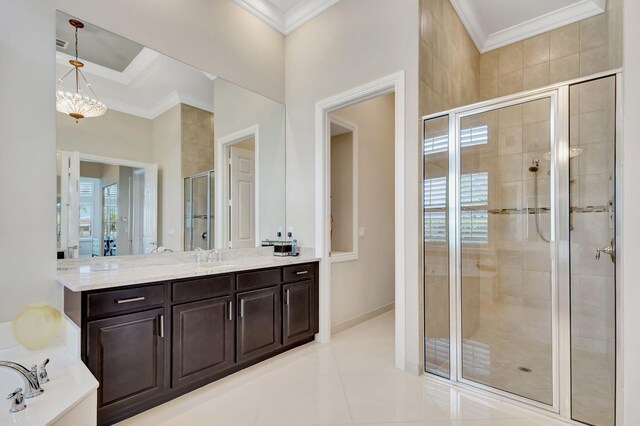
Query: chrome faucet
(30,377)
(218,255)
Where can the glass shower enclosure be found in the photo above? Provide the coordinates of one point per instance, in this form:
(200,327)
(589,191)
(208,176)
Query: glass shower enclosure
(519,237)
(198,211)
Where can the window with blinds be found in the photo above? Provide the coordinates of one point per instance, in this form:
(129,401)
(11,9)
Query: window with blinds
(435,214)
(474,217)
(468,137)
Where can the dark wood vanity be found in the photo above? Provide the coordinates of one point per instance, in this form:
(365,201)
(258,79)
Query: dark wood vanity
(149,343)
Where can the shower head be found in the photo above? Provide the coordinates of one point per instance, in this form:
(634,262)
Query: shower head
(535,166)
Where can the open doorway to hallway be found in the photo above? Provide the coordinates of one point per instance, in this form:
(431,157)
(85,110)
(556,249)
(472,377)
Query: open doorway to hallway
(362,201)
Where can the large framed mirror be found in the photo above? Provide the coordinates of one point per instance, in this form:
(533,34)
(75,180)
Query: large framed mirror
(156,155)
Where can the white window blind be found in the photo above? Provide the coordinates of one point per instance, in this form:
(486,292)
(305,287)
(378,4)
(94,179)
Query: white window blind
(474,221)
(474,136)
(468,137)
(86,188)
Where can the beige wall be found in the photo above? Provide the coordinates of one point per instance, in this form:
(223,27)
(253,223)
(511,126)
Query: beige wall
(364,285)
(369,39)
(342,193)
(579,49)
(115,135)
(449,60)
(166,151)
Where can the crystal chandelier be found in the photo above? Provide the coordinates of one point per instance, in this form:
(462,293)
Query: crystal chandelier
(76,104)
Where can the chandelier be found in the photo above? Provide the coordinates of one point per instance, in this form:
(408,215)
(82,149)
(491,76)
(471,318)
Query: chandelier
(76,104)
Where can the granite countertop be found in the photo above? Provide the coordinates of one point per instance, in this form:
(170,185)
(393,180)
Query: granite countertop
(107,272)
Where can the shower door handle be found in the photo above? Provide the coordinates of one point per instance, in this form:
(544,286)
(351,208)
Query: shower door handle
(610,250)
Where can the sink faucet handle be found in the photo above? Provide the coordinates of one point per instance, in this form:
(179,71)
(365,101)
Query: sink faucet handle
(43,376)
(18,401)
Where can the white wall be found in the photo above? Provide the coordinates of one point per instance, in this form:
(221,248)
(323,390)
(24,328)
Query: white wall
(216,36)
(166,152)
(630,245)
(350,44)
(237,109)
(362,286)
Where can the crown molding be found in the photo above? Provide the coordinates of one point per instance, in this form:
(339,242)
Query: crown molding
(264,11)
(485,42)
(165,104)
(137,66)
(305,11)
(289,21)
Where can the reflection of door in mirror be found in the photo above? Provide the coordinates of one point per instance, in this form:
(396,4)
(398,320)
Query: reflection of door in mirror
(182,120)
(110,219)
(242,195)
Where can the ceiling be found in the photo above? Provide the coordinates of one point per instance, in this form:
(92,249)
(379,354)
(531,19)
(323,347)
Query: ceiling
(285,15)
(96,45)
(129,77)
(495,23)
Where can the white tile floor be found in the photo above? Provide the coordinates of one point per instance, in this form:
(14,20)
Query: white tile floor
(351,381)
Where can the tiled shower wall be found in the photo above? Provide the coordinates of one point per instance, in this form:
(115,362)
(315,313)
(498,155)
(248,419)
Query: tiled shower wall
(575,50)
(453,72)
(449,60)
(197,140)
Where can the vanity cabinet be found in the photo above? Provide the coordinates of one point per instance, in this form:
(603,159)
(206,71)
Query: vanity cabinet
(202,340)
(258,324)
(149,343)
(126,354)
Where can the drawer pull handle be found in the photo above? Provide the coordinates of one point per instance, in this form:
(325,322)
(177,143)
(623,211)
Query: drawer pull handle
(230,311)
(287,297)
(241,308)
(302,272)
(129,300)
(162,326)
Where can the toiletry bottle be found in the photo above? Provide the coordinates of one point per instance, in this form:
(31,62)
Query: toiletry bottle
(294,247)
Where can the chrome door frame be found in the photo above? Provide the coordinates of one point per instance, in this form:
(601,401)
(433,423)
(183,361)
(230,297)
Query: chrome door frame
(560,204)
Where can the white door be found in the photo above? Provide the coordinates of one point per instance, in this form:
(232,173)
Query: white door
(242,198)
(150,206)
(70,204)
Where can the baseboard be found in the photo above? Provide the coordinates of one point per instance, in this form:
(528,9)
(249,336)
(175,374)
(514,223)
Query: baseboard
(361,318)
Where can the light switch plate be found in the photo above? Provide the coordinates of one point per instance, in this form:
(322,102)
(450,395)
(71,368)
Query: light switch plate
(361,232)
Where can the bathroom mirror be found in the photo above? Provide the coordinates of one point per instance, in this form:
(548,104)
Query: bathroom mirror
(156,155)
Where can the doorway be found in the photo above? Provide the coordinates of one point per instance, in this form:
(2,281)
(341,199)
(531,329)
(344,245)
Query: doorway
(390,84)
(362,210)
(239,156)
(519,237)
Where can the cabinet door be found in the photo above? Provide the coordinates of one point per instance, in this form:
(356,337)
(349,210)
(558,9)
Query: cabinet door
(202,343)
(258,323)
(126,355)
(297,311)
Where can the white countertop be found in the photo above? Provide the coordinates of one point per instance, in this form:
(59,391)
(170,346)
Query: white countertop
(107,272)
(70,382)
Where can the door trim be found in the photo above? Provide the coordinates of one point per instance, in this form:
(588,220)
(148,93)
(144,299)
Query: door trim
(394,83)
(221,183)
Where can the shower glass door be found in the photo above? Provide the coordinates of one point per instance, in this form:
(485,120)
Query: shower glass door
(506,312)
(592,186)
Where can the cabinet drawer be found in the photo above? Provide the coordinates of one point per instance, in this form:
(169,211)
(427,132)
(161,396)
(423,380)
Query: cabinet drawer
(202,288)
(111,302)
(298,272)
(257,279)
